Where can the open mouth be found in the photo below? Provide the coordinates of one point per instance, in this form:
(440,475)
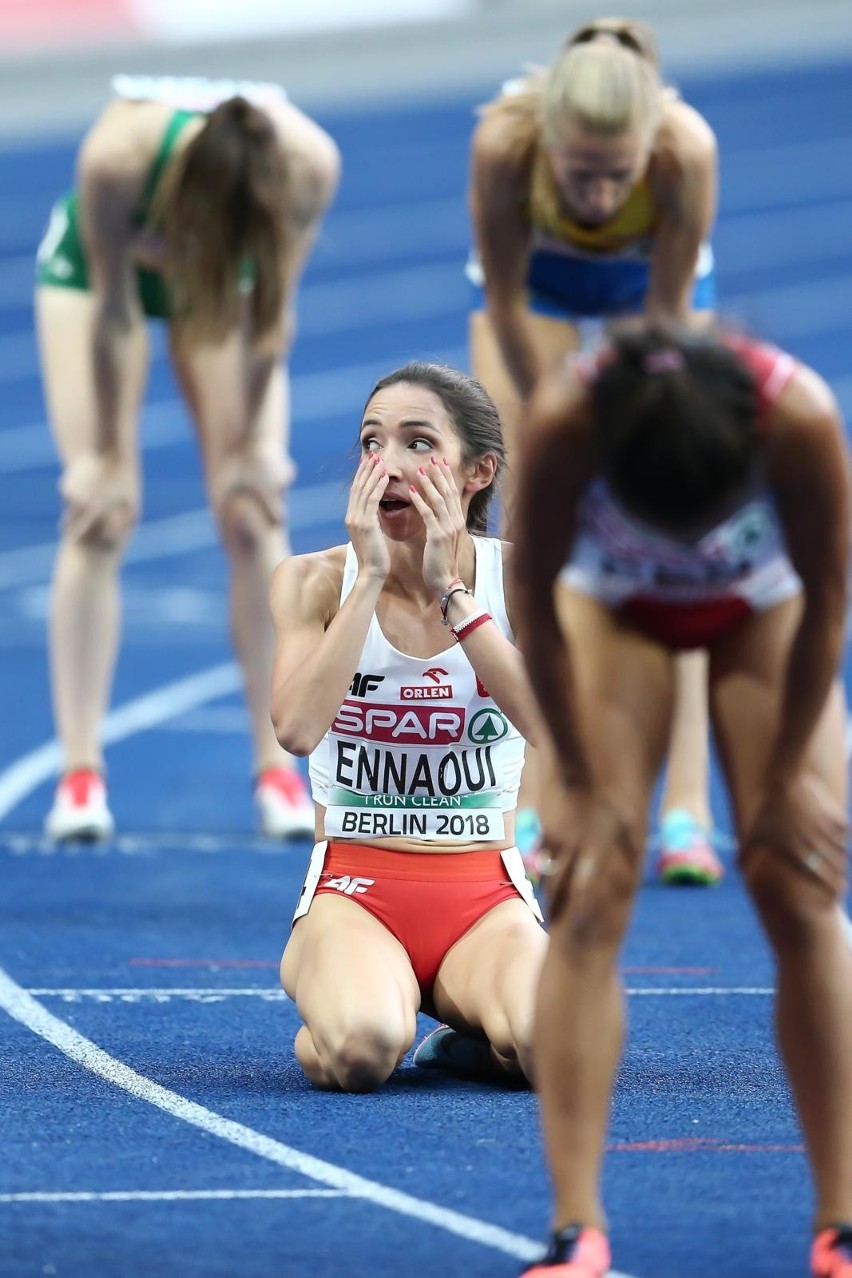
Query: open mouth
(390,505)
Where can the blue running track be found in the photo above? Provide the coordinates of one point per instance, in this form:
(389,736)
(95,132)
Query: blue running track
(153,1118)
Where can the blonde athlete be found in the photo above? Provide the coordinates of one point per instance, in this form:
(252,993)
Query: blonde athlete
(593,193)
(396,672)
(682,491)
(197,203)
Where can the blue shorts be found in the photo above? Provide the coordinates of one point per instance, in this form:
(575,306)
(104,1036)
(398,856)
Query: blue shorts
(572,288)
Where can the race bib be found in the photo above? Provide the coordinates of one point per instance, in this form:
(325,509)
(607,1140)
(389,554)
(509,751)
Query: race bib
(471,817)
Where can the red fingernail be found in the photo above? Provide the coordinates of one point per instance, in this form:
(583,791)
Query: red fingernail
(434,460)
(446,463)
(382,474)
(421,470)
(412,488)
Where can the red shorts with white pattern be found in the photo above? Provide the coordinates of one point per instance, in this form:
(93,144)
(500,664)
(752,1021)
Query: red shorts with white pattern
(428,900)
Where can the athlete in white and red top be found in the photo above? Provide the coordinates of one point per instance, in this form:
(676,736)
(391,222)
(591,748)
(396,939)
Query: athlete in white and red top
(688,490)
(396,672)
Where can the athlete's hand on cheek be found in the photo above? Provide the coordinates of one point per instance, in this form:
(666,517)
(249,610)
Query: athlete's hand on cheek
(437,500)
(362,517)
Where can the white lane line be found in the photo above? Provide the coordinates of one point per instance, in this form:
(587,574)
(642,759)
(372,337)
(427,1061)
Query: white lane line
(160,995)
(177,842)
(33,769)
(209,994)
(708,991)
(24,1009)
(168,1195)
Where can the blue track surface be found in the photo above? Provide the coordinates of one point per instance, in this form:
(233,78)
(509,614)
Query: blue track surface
(163,948)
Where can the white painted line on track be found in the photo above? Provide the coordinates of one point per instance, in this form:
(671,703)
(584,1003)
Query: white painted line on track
(162,994)
(176,842)
(168,1195)
(708,991)
(29,1013)
(209,993)
(33,769)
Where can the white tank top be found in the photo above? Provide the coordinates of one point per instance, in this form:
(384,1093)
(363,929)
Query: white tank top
(195,93)
(419,749)
(616,558)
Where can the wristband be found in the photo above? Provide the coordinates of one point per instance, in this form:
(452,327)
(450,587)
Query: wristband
(471,623)
(455,587)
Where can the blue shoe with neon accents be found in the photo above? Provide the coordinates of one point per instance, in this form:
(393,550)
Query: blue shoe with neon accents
(467,1056)
(687,855)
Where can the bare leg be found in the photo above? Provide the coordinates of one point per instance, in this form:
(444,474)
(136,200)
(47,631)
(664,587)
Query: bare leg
(354,988)
(488,981)
(214,380)
(254,547)
(804,927)
(688,756)
(85,614)
(623,689)
(554,339)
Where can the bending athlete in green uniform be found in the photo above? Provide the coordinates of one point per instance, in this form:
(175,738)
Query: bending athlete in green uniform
(196,203)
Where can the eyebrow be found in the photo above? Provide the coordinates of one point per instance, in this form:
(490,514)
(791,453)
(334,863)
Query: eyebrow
(410,423)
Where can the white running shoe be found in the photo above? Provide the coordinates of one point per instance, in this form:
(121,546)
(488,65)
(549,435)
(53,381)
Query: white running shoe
(80,808)
(284,806)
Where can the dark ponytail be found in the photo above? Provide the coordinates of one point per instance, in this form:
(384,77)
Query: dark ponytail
(676,418)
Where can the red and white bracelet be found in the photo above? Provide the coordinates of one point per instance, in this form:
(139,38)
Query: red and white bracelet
(469,624)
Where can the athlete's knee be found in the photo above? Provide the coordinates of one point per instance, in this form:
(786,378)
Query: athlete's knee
(244,524)
(789,906)
(108,534)
(364,1052)
(590,893)
(511,1040)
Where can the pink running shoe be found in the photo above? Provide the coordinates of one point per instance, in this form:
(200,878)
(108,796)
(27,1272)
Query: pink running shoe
(687,855)
(79,808)
(831,1253)
(283,804)
(577,1251)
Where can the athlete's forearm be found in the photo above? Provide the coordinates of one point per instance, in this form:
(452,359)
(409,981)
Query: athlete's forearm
(264,357)
(305,702)
(814,661)
(117,354)
(499,667)
(509,321)
(548,662)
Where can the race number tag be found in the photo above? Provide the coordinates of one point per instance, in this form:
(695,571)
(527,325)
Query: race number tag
(471,817)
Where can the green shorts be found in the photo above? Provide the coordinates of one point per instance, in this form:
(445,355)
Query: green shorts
(61,260)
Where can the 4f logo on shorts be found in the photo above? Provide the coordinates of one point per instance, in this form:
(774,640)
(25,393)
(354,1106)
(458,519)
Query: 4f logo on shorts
(349,885)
